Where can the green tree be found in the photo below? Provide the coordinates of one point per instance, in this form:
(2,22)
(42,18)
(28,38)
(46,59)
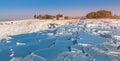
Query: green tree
(48,16)
(66,17)
(59,15)
(92,15)
(104,14)
(99,14)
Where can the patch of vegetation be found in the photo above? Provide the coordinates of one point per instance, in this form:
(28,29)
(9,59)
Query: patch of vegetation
(47,16)
(99,14)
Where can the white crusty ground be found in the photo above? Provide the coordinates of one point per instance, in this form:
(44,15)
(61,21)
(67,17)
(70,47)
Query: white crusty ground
(25,26)
(33,25)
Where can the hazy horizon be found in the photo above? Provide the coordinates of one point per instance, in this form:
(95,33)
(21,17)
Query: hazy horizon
(25,9)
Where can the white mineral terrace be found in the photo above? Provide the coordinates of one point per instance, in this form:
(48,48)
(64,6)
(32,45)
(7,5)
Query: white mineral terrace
(27,26)
(33,25)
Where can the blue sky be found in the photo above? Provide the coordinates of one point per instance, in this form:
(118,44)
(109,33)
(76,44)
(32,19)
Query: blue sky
(20,9)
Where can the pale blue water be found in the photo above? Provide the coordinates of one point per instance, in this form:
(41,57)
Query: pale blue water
(40,46)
